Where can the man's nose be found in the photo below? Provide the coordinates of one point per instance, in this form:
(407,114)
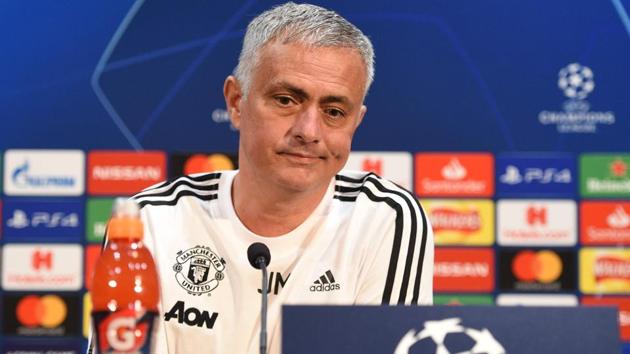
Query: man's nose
(306,127)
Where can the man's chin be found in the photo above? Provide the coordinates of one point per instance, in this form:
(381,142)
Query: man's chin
(301,181)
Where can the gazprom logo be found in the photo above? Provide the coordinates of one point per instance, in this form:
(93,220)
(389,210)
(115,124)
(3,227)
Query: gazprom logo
(44,172)
(22,178)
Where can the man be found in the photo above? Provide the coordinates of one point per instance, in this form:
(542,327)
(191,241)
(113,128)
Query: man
(335,237)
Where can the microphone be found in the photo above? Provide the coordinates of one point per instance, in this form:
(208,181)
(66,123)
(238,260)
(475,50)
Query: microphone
(259,257)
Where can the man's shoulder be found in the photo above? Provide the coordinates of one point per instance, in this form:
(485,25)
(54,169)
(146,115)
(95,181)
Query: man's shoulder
(200,186)
(350,185)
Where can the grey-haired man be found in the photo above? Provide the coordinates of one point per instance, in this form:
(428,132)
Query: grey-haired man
(336,237)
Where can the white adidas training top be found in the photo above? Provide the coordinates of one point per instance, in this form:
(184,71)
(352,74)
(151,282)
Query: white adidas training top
(367,242)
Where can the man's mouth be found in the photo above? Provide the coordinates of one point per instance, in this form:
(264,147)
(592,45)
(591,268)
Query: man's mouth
(300,156)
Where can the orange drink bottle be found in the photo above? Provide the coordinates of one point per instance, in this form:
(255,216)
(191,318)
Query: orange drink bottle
(125,292)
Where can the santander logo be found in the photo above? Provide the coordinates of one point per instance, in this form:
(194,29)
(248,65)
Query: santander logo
(618,219)
(454,174)
(454,171)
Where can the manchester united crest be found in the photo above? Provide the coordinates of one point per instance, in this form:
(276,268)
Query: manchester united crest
(198,270)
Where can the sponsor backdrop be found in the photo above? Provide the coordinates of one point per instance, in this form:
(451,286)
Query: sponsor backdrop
(508,120)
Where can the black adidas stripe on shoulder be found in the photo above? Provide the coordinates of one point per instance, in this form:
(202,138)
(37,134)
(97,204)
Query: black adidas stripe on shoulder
(182,179)
(410,200)
(203,187)
(347,193)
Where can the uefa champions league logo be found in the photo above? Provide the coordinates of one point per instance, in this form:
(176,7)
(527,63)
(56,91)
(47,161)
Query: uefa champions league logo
(448,336)
(576,81)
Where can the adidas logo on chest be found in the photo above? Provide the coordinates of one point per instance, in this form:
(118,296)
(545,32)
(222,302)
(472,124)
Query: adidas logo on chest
(326,282)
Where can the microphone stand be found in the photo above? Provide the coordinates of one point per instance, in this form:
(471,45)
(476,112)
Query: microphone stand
(262,264)
(259,257)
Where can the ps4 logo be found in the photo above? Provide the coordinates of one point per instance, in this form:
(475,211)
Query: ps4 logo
(21,220)
(514,176)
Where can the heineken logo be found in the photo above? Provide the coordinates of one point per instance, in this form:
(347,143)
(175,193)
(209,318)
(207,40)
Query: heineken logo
(605,175)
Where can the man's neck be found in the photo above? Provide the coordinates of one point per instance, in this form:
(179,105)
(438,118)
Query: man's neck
(270,211)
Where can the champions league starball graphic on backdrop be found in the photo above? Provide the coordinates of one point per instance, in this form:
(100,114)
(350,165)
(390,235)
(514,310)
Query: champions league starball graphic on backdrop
(576,82)
(448,336)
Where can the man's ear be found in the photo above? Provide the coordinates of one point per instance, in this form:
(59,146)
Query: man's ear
(233,96)
(360,117)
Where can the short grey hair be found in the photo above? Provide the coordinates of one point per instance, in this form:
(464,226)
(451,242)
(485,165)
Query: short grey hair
(301,23)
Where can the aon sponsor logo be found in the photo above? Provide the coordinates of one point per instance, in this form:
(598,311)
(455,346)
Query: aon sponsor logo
(191,316)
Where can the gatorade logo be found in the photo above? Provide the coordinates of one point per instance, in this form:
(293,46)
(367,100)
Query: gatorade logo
(120,335)
(122,332)
(48,311)
(541,266)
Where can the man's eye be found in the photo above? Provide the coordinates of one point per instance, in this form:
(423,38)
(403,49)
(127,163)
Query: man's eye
(283,100)
(334,113)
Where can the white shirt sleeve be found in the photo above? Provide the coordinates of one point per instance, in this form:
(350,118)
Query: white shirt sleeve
(399,269)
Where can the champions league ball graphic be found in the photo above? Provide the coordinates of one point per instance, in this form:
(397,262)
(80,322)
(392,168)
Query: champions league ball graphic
(448,336)
(576,81)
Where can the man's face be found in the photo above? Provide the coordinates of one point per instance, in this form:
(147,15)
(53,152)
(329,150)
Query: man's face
(297,122)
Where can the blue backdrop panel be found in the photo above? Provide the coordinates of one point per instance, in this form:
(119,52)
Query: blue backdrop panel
(454,75)
(465,329)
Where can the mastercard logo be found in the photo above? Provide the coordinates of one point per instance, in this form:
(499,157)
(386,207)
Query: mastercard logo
(541,266)
(200,163)
(47,311)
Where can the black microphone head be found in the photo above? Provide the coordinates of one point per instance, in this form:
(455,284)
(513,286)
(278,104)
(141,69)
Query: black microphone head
(257,250)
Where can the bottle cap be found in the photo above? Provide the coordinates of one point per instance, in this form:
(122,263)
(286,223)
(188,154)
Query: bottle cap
(125,221)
